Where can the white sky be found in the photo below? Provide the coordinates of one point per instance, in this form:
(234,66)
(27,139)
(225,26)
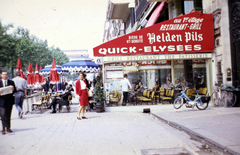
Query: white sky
(67,24)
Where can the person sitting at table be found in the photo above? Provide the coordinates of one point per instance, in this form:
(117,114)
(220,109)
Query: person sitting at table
(61,101)
(135,86)
(71,88)
(178,84)
(187,84)
(156,88)
(169,84)
(141,89)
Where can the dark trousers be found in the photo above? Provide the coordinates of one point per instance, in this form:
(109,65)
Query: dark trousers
(125,98)
(61,102)
(5,113)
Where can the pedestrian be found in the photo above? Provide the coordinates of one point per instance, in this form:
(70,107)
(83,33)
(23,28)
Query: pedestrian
(21,87)
(82,94)
(125,84)
(6,102)
(46,86)
(64,85)
(139,79)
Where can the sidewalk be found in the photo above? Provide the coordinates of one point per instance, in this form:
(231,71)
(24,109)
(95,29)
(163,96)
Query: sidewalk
(218,125)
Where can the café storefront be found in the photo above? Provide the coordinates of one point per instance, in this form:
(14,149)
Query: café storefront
(179,48)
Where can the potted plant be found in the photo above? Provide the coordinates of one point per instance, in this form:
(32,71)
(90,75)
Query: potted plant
(99,96)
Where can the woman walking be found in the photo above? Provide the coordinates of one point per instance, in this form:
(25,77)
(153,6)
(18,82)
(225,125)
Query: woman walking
(82,94)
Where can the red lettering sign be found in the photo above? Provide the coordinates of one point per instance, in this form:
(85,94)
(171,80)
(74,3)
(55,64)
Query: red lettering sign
(189,33)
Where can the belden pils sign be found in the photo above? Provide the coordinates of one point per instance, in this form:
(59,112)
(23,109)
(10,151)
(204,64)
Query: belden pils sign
(189,33)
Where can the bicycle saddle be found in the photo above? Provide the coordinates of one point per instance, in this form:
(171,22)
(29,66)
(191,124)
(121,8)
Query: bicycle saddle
(197,91)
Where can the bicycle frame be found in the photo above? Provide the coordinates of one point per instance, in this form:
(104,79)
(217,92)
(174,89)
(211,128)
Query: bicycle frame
(184,95)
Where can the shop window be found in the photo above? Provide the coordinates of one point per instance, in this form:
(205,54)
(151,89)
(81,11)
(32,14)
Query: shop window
(162,75)
(179,70)
(188,6)
(199,73)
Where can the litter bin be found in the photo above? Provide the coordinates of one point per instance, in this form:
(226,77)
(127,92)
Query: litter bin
(99,107)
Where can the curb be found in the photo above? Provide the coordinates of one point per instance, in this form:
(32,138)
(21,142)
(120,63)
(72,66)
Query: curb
(196,135)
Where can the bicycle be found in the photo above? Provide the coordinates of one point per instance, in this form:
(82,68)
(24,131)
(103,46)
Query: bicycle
(218,96)
(201,102)
(230,98)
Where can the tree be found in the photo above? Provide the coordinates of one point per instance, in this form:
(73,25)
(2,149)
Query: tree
(28,48)
(59,56)
(99,94)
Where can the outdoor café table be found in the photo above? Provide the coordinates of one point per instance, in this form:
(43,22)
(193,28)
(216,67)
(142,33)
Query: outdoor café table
(27,103)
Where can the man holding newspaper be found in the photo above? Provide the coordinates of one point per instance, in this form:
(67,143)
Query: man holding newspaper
(7,88)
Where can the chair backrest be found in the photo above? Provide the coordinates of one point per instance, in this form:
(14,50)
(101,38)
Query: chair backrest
(167,92)
(119,95)
(171,93)
(48,96)
(204,91)
(42,98)
(189,93)
(153,94)
(148,94)
(161,91)
(201,90)
(113,92)
(116,94)
(145,92)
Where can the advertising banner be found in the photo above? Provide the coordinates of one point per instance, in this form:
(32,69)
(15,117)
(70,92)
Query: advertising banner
(190,33)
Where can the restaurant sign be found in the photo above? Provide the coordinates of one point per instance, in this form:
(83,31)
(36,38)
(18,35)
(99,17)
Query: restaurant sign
(157,57)
(189,33)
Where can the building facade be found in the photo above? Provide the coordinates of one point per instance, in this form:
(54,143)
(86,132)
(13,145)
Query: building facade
(217,66)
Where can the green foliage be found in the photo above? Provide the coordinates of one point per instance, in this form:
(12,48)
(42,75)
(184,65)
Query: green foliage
(99,94)
(28,48)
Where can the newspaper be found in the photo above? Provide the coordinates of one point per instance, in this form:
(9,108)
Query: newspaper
(6,90)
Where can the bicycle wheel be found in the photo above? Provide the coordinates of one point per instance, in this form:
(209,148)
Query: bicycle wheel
(222,101)
(230,99)
(200,105)
(178,102)
(215,99)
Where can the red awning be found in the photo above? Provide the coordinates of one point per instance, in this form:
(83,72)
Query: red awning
(154,16)
(190,33)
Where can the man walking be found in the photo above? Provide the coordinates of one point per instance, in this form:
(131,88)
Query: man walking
(125,85)
(21,87)
(6,102)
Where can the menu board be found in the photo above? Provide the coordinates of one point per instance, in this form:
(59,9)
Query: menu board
(114,74)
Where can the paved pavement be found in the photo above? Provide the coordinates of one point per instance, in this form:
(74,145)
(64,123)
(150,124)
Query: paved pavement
(218,125)
(118,132)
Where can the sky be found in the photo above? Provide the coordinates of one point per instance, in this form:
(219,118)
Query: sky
(67,24)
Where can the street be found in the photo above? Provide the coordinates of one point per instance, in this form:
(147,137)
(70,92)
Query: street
(108,133)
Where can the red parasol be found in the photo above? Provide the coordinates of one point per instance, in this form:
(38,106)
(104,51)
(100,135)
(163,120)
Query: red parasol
(42,80)
(30,76)
(37,76)
(19,68)
(54,77)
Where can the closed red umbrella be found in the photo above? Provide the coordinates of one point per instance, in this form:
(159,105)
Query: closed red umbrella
(54,77)
(19,68)
(30,76)
(42,80)
(37,76)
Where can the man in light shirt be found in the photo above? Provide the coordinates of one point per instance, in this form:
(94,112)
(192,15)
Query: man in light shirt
(21,94)
(125,85)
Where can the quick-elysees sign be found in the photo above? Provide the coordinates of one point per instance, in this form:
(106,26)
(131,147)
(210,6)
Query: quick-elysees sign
(189,33)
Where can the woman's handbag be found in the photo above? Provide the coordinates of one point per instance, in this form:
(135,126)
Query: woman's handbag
(90,93)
